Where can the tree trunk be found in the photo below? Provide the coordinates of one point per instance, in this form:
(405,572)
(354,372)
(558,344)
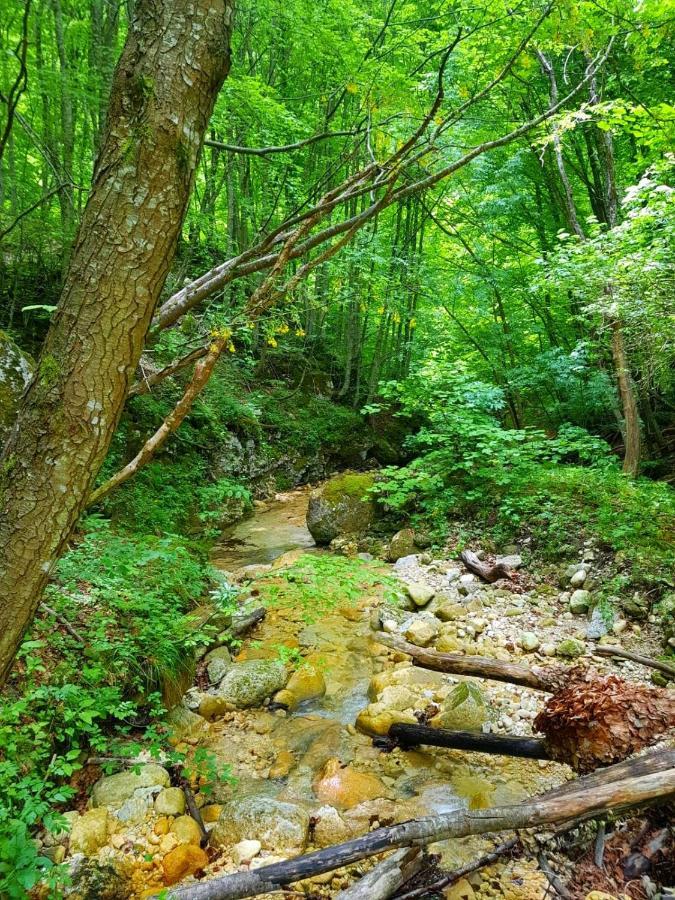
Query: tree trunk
(175,59)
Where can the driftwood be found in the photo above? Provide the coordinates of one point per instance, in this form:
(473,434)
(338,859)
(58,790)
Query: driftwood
(487,573)
(635,657)
(552,878)
(387,877)
(503,744)
(539,678)
(547,810)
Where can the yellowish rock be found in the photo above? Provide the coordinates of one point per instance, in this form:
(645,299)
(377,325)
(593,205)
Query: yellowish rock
(377,719)
(162,826)
(90,832)
(212,707)
(345,787)
(186,830)
(600,895)
(168,843)
(183,861)
(306,683)
(170,802)
(462,890)
(211,812)
(282,764)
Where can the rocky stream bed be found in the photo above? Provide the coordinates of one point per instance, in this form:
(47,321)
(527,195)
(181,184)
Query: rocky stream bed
(299,742)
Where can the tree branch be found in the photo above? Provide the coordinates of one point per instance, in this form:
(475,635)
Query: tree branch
(282,148)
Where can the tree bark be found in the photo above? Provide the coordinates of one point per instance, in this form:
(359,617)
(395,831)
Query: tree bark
(500,744)
(175,59)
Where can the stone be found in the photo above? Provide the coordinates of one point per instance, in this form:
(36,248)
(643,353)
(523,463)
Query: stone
(134,810)
(170,802)
(16,370)
(341,506)
(277,825)
(186,830)
(450,612)
(162,826)
(422,631)
(58,835)
(529,641)
(511,561)
(635,606)
(577,580)
(329,828)
(250,682)
(420,593)
(113,790)
(282,765)
(461,890)
(184,860)
(90,832)
(306,683)
(401,544)
(211,812)
(377,719)
(94,880)
(216,670)
(168,843)
(619,626)
(469,715)
(447,643)
(345,787)
(570,648)
(597,627)
(245,851)
(548,649)
(185,724)
(580,602)
(221,653)
(212,707)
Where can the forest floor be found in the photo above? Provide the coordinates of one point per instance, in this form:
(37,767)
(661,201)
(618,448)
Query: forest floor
(310,775)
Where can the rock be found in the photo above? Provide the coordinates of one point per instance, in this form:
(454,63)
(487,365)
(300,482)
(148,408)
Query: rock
(570,648)
(93,880)
(330,828)
(402,544)
(377,719)
(453,575)
(245,851)
(16,370)
(341,506)
(113,790)
(216,670)
(580,602)
(597,627)
(136,808)
(185,724)
(345,787)
(90,832)
(162,826)
(306,683)
(450,611)
(619,626)
(447,643)
(548,649)
(212,707)
(249,683)
(211,812)
(186,830)
(184,860)
(511,561)
(637,606)
(277,825)
(51,838)
(469,715)
(282,765)
(461,890)
(577,580)
(529,641)
(420,593)
(170,802)
(422,631)
(423,539)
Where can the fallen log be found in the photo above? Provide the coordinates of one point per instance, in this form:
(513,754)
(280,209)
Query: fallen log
(539,678)
(502,744)
(483,570)
(387,877)
(420,832)
(647,661)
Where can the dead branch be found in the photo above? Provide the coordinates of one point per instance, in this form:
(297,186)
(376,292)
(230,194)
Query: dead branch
(146,384)
(420,832)
(282,148)
(635,657)
(487,573)
(553,879)
(502,744)
(387,877)
(538,678)
(66,624)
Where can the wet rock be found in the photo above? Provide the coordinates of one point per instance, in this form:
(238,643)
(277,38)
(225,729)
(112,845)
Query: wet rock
(619,626)
(402,544)
(16,370)
(184,860)
(186,830)
(580,602)
(307,683)
(468,715)
(407,676)
(170,802)
(377,718)
(212,707)
(90,832)
(113,790)
(422,631)
(345,787)
(249,683)
(577,580)
(93,880)
(283,764)
(570,648)
(529,641)
(277,825)
(245,851)
(341,506)
(329,828)
(420,593)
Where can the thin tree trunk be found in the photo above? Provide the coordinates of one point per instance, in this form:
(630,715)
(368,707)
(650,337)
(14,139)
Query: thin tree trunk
(631,416)
(174,62)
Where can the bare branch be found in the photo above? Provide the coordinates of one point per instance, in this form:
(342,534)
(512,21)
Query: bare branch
(282,148)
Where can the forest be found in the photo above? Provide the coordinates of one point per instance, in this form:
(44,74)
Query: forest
(337,429)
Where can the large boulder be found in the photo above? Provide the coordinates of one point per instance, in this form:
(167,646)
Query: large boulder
(113,790)
(90,832)
(345,787)
(277,825)
(16,370)
(341,506)
(250,682)
(402,544)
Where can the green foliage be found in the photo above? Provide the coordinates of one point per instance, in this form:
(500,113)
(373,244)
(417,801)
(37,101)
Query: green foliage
(464,691)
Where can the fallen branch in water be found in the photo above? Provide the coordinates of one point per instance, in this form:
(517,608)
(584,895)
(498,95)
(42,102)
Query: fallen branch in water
(546,810)
(503,744)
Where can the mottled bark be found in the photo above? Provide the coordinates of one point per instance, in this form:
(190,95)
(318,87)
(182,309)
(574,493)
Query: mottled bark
(173,64)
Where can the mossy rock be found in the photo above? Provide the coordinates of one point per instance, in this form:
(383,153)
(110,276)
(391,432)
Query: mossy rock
(341,506)
(16,370)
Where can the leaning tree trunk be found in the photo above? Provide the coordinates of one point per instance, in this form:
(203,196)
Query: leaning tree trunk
(175,59)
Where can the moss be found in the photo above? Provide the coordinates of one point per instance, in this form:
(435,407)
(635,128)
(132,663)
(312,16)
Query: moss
(350,484)
(49,370)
